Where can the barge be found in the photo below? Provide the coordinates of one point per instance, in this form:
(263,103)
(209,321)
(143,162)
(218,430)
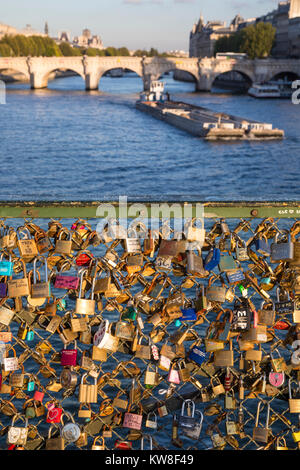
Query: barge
(203,122)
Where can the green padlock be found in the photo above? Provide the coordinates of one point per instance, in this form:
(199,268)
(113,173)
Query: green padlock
(129,314)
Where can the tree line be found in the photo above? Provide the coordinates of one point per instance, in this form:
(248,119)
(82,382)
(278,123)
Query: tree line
(36,46)
(255,40)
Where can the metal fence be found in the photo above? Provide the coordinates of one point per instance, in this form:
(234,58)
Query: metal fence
(142,302)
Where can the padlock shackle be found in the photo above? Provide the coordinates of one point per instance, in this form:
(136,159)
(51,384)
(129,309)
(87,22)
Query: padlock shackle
(149,439)
(43,259)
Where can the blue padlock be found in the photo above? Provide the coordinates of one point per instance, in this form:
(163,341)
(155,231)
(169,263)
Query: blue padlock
(30,386)
(212,259)
(177,323)
(198,355)
(6,267)
(30,335)
(262,247)
(188,314)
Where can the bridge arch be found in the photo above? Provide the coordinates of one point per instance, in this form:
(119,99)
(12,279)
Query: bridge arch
(9,71)
(102,72)
(289,75)
(45,76)
(232,76)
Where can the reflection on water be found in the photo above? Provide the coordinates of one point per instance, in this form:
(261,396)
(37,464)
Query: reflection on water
(66,143)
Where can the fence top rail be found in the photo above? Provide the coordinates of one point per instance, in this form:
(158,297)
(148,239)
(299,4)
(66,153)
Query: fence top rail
(134,208)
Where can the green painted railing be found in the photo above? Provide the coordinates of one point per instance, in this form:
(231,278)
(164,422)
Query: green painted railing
(88,209)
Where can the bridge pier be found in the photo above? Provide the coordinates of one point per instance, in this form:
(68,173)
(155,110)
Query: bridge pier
(204,83)
(38,80)
(91,81)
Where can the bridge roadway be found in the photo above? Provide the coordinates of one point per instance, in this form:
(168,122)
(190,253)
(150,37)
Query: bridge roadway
(91,69)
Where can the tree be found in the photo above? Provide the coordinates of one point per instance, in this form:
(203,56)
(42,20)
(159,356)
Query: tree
(255,40)
(67,50)
(258,40)
(123,51)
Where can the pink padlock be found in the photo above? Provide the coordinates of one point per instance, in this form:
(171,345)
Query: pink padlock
(69,356)
(38,396)
(173,376)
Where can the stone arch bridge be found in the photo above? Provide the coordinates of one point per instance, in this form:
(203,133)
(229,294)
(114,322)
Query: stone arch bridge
(38,69)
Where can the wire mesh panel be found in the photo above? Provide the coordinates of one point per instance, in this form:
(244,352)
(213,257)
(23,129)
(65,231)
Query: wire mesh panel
(114,339)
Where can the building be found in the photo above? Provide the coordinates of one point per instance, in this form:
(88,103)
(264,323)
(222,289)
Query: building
(88,40)
(64,36)
(285,19)
(29,31)
(7,30)
(204,36)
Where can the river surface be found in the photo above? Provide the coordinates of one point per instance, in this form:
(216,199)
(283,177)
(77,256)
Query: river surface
(66,143)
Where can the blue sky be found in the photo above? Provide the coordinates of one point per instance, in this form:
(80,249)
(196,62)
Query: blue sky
(164,24)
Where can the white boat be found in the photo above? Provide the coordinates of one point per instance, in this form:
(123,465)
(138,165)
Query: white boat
(272,89)
(264,91)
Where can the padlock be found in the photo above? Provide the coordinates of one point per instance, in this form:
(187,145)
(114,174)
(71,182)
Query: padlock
(278,364)
(195,431)
(85,306)
(173,375)
(149,438)
(267,315)
(224,358)
(42,241)
(63,246)
(17,435)
(68,378)
(55,443)
(19,287)
(294,403)
(217,389)
(230,401)
(183,371)
(151,377)
(70,432)
(261,434)
(6,267)
(254,355)
(16,379)
(212,260)
(133,420)
(281,444)
(124,330)
(285,306)
(84,413)
(26,245)
(194,233)
(262,246)
(54,413)
(283,251)
(241,316)
(119,402)
(69,356)
(187,421)
(151,420)
(215,293)
(231,425)
(241,250)
(88,393)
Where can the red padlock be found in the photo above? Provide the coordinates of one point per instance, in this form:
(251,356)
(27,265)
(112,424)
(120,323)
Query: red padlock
(54,415)
(281,325)
(38,396)
(69,356)
(123,445)
(84,259)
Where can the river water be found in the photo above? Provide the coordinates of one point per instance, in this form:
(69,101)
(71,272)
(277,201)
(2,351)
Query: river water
(65,143)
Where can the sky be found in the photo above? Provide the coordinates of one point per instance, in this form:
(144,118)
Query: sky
(136,24)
